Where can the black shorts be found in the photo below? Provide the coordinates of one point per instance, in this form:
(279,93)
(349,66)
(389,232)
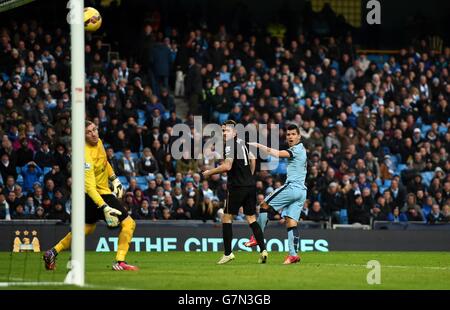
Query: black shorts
(241,197)
(94,213)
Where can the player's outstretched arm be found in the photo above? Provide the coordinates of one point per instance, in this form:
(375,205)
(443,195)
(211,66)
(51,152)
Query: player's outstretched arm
(270,151)
(252,162)
(225,167)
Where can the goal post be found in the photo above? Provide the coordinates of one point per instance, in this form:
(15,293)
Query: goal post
(77,264)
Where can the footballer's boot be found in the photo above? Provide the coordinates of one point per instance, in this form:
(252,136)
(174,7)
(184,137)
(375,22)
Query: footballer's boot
(121,266)
(50,259)
(263,257)
(251,243)
(225,259)
(291,260)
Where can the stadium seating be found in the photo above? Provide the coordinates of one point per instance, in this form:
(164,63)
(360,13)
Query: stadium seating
(142,182)
(427,177)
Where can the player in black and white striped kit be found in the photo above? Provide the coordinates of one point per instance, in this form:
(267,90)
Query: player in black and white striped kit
(240,166)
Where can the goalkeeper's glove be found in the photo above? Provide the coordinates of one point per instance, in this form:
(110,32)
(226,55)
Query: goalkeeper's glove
(116,187)
(111,215)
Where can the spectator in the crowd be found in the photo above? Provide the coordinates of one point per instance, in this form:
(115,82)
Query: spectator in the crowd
(358,211)
(446,213)
(19,213)
(398,194)
(38,196)
(166,215)
(158,152)
(435,217)
(61,157)
(127,165)
(333,202)
(21,197)
(7,168)
(316,213)
(396,216)
(30,206)
(112,159)
(44,157)
(10,185)
(49,189)
(56,175)
(147,164)
(380,211)
(193,85)
(414,216)
(206,209)
(155,209)
(167,167)
(120,141)
(31,173)
(166,201)
(5,212)
(129,202)
(138,196)
(190,208)
(144,212)
(24,153)
(58,212)
(161,64)
(39,214)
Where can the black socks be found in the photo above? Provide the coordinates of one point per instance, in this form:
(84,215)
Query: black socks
(227,231)
(259,236)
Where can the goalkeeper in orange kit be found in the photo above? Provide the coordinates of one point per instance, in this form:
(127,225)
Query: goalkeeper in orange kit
(102,203)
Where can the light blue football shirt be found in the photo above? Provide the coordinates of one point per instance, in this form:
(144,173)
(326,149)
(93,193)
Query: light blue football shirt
(297,167)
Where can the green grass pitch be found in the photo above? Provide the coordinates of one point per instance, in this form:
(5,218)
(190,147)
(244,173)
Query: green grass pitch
(195,270)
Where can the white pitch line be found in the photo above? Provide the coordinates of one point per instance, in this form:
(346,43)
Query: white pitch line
(8,284)
(386,266)
(20,282)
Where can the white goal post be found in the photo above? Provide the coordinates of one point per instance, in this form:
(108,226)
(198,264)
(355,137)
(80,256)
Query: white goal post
(76,20)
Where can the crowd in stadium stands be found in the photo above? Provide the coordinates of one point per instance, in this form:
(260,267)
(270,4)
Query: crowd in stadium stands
(376,130)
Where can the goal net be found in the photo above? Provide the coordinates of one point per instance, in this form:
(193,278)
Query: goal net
(6,5)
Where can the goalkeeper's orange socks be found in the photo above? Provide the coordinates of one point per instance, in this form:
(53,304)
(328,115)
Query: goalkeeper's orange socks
(126,234)
(65,242)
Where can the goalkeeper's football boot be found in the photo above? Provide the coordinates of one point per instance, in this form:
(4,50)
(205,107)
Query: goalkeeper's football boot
(291,260)
(50,259)
(226,259)
(263,257)
(252,242)
(123,266)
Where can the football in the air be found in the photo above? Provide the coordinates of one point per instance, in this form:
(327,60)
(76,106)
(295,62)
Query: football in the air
(92,19)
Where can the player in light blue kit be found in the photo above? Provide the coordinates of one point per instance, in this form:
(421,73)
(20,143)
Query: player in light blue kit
(290,197)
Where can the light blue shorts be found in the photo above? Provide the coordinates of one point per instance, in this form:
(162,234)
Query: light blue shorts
(289,198)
